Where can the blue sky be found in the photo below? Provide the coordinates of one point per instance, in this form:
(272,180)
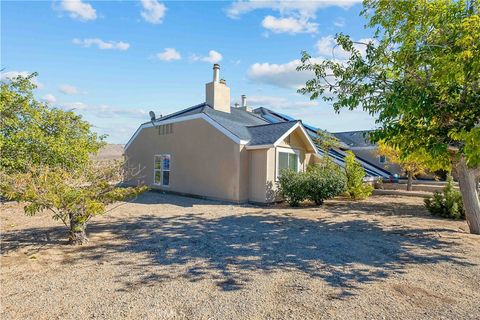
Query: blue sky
(113,61)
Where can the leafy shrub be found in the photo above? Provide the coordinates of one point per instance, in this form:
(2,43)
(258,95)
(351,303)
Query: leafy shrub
(447,204)
(293,186)
(356,188)
(325,181)
(320,182)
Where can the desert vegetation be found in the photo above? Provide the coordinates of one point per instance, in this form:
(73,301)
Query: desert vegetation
(45,161)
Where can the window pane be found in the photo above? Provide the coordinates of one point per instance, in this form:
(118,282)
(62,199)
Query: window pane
(158,176)
(166,178)
(158,163)
(282,161)
(293,161)
(166,162)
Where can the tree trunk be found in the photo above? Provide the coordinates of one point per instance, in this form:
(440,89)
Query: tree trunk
(77,234)
(410,181)
(468,187)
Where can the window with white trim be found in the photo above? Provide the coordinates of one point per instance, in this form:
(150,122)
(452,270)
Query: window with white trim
(287,159)
(161,170)
(382,159)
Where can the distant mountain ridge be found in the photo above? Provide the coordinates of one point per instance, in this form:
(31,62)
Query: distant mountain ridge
(110,152)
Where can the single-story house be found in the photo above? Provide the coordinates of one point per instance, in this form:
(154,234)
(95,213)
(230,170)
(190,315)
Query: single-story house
(217,151)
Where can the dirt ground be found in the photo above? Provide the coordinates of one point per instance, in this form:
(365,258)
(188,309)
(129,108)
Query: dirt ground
(171,257)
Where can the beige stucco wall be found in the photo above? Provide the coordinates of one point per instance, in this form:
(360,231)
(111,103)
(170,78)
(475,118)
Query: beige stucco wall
(204,161)
(207,163)
(263,168)
(258,175)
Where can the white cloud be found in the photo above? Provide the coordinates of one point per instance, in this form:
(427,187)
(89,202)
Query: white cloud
(103,45)
(9,75)
(50,98)
(153,11)
(104,111)
(213,57)
(305,9)
(68,89)
(289,25)
(280,75)
(339,22)
(327,47)
(279,102)
(78,10)
(168,54)
(74,106)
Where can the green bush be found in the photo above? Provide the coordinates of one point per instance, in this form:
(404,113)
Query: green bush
(320,182)
(447,204)
(325,181)
(293,186)
(356,188)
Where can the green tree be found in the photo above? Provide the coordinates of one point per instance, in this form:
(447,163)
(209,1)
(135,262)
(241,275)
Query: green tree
(420,77)
(414,163)
(44,161)
(326,141)
(33,133)
(356,188)
(73,196)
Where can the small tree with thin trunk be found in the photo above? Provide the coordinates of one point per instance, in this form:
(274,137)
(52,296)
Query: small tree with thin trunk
(414,163)
(74,197)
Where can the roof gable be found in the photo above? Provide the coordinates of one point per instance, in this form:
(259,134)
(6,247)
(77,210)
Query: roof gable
(271,135)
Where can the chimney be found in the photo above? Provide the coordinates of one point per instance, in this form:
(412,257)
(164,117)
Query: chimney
(216,72)
(244,104)
(217,92)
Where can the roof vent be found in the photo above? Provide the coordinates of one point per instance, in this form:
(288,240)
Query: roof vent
(244,104)
(244,100)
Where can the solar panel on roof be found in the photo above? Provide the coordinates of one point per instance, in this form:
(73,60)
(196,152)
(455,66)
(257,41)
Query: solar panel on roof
(284,116)
(270,119)
(310,127)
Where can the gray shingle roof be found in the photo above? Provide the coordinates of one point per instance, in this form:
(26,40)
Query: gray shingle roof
(236,121)
(268,134)
(272,116)
(245,125)
(354,138)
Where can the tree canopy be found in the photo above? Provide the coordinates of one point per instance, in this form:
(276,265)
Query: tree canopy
(420,76)
(45,161)
(32,133)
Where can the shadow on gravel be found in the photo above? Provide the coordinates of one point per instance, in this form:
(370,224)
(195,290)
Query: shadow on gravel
(228,248)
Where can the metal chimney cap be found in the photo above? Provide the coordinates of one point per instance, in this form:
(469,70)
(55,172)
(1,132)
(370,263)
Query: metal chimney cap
(216,66)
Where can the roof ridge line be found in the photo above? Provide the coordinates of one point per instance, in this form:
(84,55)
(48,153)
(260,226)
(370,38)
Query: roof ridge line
(180,112)
(271,124)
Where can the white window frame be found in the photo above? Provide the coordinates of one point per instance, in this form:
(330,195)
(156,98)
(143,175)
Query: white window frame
(286,150)
(161,170)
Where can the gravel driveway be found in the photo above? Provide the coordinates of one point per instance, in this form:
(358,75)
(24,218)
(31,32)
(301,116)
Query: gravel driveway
(171,257)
